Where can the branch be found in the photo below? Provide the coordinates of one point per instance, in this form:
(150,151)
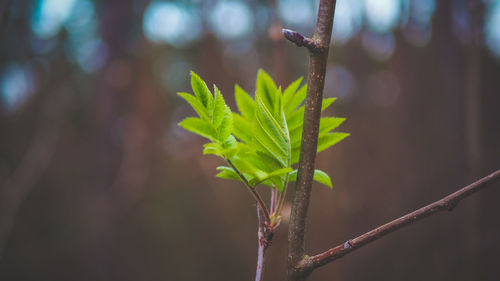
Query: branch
(318,54)
(447,203)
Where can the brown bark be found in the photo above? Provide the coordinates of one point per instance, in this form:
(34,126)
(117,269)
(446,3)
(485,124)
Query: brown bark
(318,48)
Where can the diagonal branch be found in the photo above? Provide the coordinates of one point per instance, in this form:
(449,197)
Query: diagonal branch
(446,203)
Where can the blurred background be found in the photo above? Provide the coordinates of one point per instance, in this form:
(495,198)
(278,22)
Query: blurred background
(97,182)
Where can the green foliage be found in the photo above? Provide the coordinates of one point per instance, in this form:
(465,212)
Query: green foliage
(261,142)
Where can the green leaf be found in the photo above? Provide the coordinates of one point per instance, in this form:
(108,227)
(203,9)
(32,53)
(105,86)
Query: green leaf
(242,128)
(247,167)
(196,105)
(200,127)
(290,91)
(329,139)
(227,173)
(212,148)
(296,119)
(202,92)
(266,89)
(230,147)
(245,103)
(295,155)
(296,137)
(297,99)
(319,176)
(219,108)
(327,102)
(268,129)
(269,135)
(276,173)
(322,177)
(227,124)
(327,124)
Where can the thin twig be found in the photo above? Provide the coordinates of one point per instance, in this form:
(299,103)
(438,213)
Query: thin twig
(281,201)
(318,54)
(263,241)
(446,203)
(274,200)
(252,191)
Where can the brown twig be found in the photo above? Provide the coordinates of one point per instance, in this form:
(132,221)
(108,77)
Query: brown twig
(318,53)
(447,203)
(265,236)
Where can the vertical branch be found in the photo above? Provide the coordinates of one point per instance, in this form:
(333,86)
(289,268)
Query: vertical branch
(318,48)
(265,237)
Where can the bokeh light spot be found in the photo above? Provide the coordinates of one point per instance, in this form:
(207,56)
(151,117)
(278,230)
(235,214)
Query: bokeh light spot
(347,21)
(49,16)
(296,13)
(166,22)
(231,20)
(91,55)
(491,28)
(380,46)
(16,85)
(382,15)
(422,11)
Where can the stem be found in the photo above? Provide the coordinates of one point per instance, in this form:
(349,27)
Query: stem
(318,54)
(252,191)
(263,244)
(274,200)
(282,198)
(447,203)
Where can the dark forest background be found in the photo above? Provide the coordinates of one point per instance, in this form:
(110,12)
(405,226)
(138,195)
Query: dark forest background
(97,182)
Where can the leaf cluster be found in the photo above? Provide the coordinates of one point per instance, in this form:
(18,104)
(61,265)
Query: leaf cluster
(261,142)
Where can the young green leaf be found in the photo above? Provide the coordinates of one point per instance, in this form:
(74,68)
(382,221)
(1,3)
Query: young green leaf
(242,128)
(290,91)
(329,139)
(226,126)
(319,176)
(219,108)
(266,89)
(227,173)
(268,129)
(276,173)
(196,105)
(297,99)
(202,92)
(200,127)
(327,124)
(269,136)
(212,148)
(245,103)
(327,102)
